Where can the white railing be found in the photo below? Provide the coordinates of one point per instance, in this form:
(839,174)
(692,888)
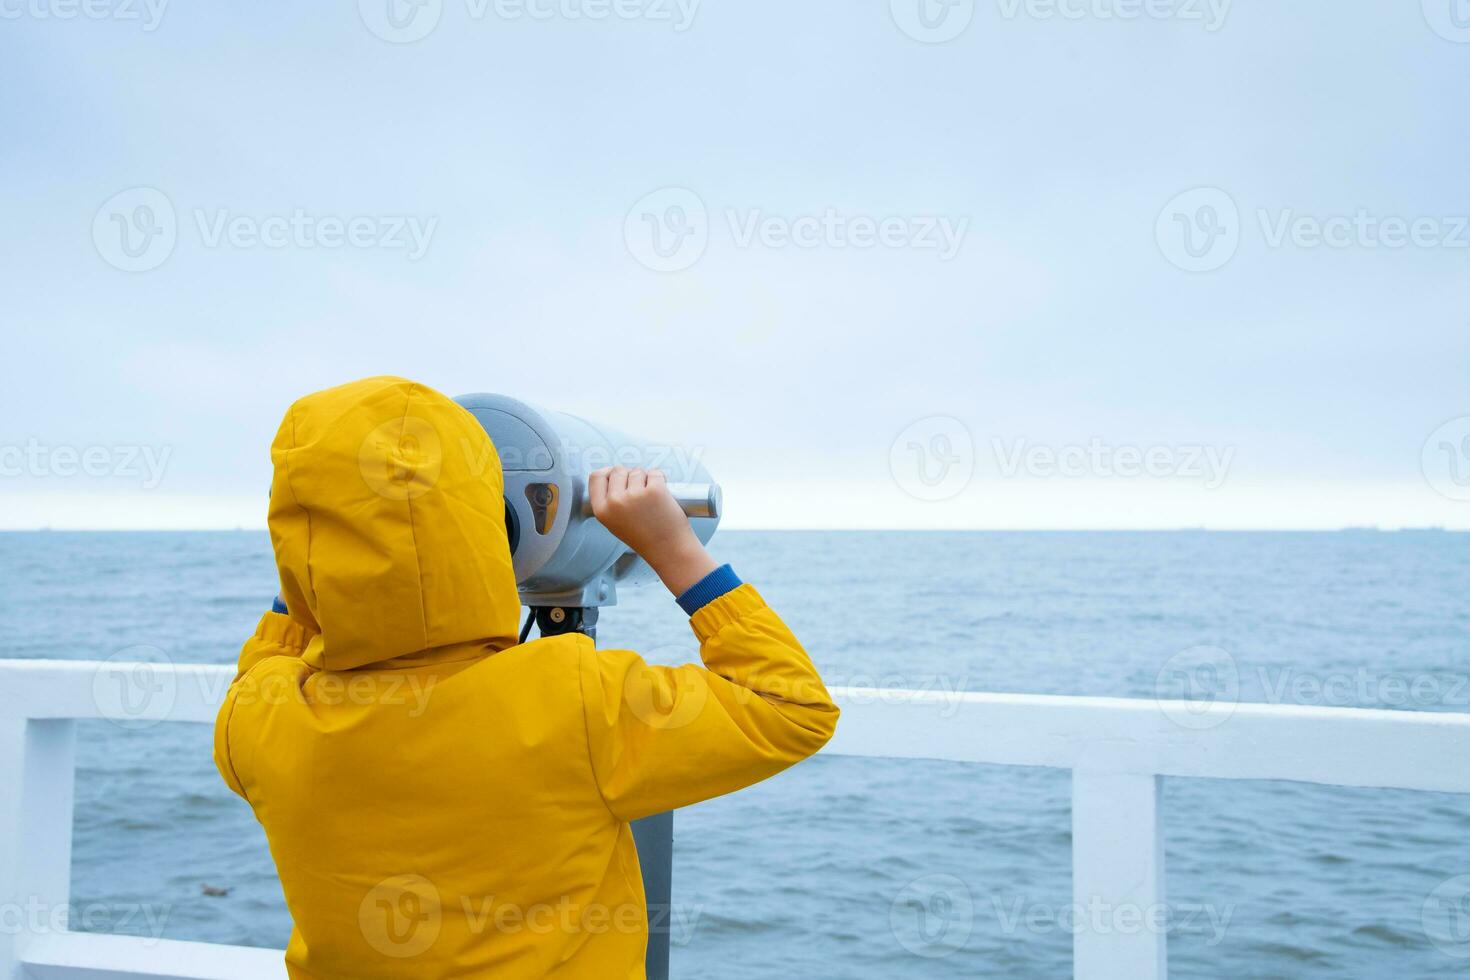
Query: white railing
(1117,751)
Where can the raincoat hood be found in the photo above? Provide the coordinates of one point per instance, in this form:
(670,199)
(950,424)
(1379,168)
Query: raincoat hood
(387,517)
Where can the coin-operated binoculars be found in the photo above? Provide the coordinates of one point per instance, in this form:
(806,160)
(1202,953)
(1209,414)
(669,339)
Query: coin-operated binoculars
(568,566)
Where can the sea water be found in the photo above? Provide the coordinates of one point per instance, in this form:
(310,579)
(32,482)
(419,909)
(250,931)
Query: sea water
(877,869)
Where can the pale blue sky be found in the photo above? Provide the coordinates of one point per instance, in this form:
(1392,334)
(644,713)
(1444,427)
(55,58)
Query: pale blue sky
(519,146)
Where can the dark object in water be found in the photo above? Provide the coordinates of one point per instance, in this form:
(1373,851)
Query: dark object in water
(214,891)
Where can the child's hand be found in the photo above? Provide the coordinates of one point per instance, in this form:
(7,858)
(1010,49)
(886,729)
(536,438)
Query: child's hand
(636,506)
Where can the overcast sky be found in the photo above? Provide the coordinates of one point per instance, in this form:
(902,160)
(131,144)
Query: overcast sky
(996,264)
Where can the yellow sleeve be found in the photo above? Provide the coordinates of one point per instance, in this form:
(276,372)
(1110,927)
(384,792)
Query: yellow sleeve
(275,636)
(666,737)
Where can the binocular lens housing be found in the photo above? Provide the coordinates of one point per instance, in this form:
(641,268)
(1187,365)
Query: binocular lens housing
(562,555)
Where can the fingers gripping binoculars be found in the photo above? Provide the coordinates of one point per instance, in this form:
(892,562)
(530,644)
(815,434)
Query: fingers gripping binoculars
(563,557)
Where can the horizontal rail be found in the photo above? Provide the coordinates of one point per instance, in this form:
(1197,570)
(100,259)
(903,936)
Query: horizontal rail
(93,956)
(83,689)
(1416,750)
(1366,747)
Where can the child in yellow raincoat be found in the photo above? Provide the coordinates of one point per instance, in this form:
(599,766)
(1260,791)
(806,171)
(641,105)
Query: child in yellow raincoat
(441,801)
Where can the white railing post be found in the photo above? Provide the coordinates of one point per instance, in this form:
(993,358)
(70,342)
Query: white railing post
(12,767)
(1118,877)
(38,758)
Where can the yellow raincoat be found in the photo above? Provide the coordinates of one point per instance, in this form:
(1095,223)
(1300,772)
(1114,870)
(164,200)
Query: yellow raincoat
(440,801)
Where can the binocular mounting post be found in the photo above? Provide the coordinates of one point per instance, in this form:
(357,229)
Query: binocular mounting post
(556,620)
(653,835)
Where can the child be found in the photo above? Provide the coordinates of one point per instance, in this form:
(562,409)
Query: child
(439,800)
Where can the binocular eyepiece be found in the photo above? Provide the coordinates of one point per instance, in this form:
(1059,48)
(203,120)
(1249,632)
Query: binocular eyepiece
(562,555)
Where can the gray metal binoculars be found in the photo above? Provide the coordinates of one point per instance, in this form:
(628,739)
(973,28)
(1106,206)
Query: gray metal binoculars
(563,557)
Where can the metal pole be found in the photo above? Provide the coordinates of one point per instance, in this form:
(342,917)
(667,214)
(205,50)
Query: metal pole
(653,835)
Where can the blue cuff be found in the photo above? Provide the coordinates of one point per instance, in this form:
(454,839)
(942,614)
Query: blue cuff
(708,589)
(278,606)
